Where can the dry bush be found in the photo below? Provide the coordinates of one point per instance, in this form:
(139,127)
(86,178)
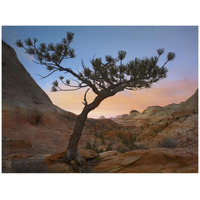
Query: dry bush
(167,143)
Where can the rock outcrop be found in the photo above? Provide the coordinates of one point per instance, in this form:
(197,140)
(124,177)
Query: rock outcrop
(133,113)
(149,161)
(19,90)
(30,122)
(190,106)
(102,117)
(175,121)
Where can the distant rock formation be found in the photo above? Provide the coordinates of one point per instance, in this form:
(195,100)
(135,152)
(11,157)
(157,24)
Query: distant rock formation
(102,117)
(121,116)
(176,121)
(151,110)
(189,106)
(133,113)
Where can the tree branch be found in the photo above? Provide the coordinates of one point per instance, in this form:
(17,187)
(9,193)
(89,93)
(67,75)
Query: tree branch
(74,86)
(47,74)
(86,81)
(85,100)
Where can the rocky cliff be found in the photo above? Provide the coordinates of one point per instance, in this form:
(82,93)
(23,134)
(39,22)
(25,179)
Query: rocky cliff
(29,119)
(19,90)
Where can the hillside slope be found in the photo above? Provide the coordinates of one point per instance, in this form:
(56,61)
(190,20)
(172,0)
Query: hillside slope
(30,122)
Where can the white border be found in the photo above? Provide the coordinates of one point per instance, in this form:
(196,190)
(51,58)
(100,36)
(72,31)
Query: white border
(99,186)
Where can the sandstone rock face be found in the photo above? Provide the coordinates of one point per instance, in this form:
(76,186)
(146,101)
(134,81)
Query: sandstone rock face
(19,90)
(30,122)
(151,110)
(114,162)
(107,154)
(88,154)
(149,161)
(191,104)
(163,161)
(176,121)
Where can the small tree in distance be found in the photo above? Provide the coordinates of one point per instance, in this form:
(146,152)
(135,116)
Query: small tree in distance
(105,79)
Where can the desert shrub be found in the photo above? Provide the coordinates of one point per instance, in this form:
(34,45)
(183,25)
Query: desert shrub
(140,146)
(100,150)
(103,142)
(131,140)
(125,141)
(101,135)
(167,143)
(109,147)
(129,143)
(94,146)
(88,145)
(102,138)
(28,166)
(122,149)
(98,159)
(120,135)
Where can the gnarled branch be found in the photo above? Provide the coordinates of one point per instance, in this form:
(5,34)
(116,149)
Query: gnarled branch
(85,99)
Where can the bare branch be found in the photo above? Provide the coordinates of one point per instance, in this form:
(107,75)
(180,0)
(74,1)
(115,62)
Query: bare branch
(47,74)
(75,86)
(85,100)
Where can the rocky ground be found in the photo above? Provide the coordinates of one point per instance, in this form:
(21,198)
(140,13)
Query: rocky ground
(35,133)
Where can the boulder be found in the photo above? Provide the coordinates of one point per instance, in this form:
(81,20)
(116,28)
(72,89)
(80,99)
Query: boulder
(107,155)
(54,157)
(88,154)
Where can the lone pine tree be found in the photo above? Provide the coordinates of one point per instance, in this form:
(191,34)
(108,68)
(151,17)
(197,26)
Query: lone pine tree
(104,78)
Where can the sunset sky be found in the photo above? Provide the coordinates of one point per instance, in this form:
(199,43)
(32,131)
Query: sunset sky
(98,41)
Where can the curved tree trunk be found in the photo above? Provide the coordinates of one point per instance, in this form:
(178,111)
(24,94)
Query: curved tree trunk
(72,149)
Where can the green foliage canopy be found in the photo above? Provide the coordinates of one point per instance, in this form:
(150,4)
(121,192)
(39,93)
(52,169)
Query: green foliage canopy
(107,77)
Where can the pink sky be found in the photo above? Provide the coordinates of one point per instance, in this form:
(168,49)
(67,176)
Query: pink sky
(162,94)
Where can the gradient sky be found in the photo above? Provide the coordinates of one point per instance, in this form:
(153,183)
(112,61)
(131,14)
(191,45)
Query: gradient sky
(137,41)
